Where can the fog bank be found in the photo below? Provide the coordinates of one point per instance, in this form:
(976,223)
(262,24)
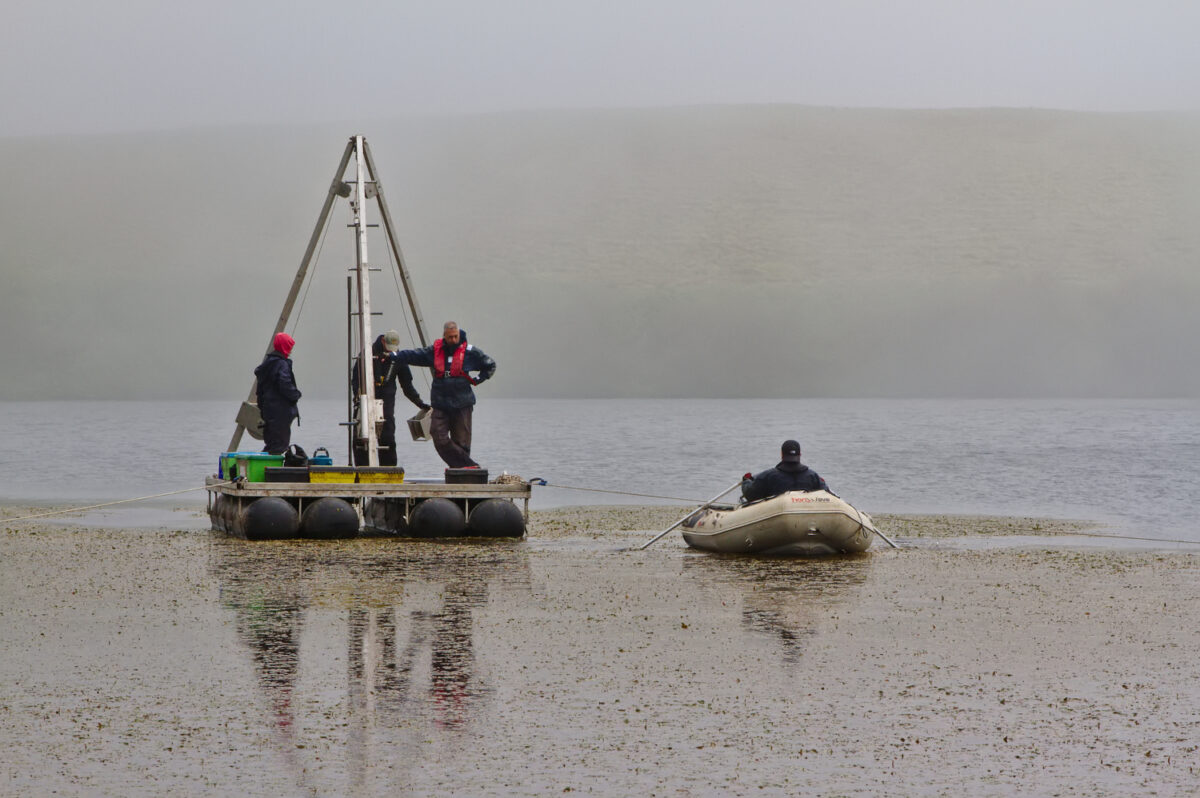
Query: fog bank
(762,251)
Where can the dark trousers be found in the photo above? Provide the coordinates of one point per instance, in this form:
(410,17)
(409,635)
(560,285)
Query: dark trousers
(387,443)
(387,437)
(451,433)
(276,436)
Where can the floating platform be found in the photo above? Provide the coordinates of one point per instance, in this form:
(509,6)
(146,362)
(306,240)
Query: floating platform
(424,508)
(256,495)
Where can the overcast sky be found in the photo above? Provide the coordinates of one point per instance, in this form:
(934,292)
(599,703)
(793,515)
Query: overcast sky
(79,66)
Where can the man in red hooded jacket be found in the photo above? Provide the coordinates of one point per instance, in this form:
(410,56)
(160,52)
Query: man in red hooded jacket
(277,395)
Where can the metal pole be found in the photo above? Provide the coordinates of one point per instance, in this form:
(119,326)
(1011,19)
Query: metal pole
(301,273)
(885,537)
(876,531)
(349,368)
(366,389)
(689,515)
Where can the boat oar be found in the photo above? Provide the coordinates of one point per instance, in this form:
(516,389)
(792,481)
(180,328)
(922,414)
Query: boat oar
(877,532)
(871,526)
(648,543)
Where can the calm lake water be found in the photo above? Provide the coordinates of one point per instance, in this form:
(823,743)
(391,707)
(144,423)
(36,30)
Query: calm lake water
(1132,464)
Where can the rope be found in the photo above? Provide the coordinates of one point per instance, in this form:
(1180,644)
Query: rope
(409,324)
(540,481)
(544,483)
(1128,537)
(312,274)
(110,504)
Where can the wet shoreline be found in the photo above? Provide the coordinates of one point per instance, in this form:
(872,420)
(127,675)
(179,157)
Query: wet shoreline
(150,661)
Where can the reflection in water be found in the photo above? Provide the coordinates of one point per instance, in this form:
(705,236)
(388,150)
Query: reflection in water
(272,631)
(408,610)
(452,658)
(269,623)
(782,598)
(381,670)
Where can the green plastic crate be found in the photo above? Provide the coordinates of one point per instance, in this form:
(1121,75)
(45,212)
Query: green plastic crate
(228,464)
(253,465)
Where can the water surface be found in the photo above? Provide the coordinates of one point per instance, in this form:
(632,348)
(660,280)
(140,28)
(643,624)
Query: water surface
(1133,464)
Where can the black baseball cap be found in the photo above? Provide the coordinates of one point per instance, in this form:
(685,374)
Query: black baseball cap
(790,451)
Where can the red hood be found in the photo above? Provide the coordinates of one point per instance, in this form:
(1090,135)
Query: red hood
(284,343)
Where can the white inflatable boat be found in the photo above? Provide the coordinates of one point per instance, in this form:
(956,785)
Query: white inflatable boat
(795,523)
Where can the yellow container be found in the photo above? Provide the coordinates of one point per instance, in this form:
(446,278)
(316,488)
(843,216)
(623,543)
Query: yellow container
(332,474)
(381,475)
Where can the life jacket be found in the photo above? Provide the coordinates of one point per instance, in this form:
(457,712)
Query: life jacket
(456,362)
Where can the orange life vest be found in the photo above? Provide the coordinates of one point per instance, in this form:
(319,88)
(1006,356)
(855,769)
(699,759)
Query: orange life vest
(440,372)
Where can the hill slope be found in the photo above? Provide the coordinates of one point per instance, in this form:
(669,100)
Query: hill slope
(713,251)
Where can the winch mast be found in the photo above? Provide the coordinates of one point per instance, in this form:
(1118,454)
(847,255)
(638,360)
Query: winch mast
(368,414)
(365,186)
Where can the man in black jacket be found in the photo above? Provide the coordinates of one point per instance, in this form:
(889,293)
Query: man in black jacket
(387,372)
(790,474)
(277,395)
(451,359)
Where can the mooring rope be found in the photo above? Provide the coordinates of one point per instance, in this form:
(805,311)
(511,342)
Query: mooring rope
(110,504)
(1126,537)
(544,483)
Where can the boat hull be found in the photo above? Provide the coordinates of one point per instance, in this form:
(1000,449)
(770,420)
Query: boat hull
(797,523)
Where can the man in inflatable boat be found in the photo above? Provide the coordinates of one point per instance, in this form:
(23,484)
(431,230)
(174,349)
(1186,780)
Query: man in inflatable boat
(790,474)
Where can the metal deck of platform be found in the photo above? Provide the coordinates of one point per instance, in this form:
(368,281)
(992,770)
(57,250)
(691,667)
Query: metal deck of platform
(414,490)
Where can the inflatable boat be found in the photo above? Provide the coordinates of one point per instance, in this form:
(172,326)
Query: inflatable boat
(795,523)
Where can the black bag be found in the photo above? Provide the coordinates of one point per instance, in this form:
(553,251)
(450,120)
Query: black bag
(295,457)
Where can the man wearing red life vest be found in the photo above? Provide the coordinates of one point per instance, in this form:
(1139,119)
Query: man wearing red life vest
(451,359)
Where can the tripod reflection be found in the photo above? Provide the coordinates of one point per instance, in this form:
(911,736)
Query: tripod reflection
(397,618)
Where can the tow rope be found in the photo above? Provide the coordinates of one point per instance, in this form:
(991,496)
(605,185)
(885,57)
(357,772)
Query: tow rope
(1127,537)
(544,483)
(109,504)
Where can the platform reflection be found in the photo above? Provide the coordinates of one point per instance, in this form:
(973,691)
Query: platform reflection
(396,618)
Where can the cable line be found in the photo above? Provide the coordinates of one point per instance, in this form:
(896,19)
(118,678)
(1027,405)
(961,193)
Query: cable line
(109,504)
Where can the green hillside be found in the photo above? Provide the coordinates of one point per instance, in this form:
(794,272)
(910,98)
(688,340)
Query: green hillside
(709,251)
